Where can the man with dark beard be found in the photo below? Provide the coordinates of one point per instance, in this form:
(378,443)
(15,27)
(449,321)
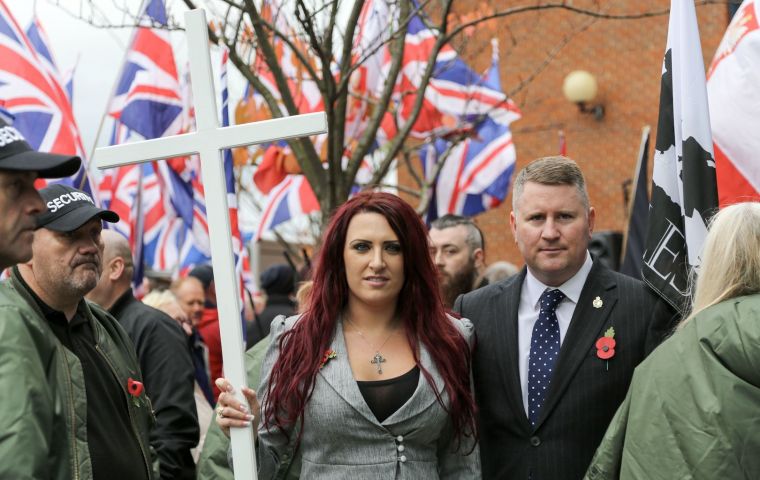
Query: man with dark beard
(85,413)
(458,250)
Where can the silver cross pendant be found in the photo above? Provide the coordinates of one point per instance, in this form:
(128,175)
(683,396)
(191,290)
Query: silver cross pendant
(378,360)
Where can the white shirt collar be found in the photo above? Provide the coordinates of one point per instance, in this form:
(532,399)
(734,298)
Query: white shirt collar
(571,288)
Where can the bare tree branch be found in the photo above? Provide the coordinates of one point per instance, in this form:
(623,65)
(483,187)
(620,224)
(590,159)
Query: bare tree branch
(314,40)
(427,189)
(396,143)
(303,148)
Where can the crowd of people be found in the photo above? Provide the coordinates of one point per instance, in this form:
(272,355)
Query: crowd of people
(403,355)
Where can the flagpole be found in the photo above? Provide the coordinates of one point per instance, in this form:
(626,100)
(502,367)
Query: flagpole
(113,91)
(632,198)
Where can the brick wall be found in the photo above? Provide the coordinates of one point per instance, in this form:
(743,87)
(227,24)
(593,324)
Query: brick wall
(626,58)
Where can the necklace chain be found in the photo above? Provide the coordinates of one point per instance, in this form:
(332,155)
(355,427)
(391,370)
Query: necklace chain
(365,338)
(377,359)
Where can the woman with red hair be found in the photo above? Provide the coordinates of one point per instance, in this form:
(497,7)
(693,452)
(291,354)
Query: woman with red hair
(372,380)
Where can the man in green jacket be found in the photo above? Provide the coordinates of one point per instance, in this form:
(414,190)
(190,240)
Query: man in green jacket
(73,403)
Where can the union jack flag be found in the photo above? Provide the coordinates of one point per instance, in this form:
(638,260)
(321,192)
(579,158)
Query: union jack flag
(147,97)
(31,90)
(455,93)
(292,197)
(476,173)
(134,193)
(160,203)
(238,247)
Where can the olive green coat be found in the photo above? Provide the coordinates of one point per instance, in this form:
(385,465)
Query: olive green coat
(212,464)
(43,413)
(693,408)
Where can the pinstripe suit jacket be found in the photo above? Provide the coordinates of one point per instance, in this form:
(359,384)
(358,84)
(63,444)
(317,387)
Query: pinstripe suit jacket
(585,391)
(342,439)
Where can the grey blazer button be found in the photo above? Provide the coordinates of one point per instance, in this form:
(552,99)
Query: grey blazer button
(399,438)
(535,441)
(400,448)
(402,458)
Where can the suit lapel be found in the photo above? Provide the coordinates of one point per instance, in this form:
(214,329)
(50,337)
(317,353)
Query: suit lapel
(508,339)
(583,332)
(337,372)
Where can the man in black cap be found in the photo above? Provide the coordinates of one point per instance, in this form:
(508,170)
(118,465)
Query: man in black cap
(279,283)
(20,166)
(78,407)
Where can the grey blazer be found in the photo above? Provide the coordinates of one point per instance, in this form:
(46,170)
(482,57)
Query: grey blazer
(342,439)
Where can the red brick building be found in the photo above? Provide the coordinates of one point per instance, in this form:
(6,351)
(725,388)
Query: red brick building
(625,56)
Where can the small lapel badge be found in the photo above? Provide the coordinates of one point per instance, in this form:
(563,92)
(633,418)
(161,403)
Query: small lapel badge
(597,303)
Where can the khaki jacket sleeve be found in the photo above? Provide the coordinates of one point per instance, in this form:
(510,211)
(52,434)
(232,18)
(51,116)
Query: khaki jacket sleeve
(32,433)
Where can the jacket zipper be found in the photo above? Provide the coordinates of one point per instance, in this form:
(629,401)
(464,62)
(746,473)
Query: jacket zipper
(135,431)
(74,448)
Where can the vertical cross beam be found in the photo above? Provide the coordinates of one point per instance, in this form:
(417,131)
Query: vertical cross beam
(207,141)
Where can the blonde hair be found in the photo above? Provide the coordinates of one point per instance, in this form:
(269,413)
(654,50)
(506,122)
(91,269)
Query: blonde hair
(731,257)
(159,299)
(303,294)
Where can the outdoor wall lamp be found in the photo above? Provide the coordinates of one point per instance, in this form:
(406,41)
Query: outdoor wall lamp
(580,88)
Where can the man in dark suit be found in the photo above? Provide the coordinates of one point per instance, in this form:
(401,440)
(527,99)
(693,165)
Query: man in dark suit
(546,382)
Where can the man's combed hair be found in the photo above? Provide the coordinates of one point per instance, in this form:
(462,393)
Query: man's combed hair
(475,238)
(550,171)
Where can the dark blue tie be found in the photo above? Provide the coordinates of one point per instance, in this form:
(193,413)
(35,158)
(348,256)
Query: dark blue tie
(544,350)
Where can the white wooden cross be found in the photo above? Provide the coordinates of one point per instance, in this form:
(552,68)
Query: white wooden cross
(208,140)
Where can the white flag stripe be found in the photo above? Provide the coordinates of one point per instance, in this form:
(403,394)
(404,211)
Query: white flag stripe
(733,89)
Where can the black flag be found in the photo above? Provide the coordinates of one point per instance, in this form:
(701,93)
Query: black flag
(684,192)
(638,214)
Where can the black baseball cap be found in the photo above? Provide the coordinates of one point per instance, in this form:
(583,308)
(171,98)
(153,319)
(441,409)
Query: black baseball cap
(69,208)
(204,273)
(17,155)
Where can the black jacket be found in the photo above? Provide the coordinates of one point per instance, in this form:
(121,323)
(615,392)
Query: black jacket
(169,382)
(277,304)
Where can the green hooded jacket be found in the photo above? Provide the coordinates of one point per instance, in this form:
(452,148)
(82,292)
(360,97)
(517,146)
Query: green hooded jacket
(43,419)
(212,464)
(693,408)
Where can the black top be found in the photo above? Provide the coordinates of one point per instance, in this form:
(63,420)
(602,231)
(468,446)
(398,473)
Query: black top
(112,440)
(384,397)
(168,375)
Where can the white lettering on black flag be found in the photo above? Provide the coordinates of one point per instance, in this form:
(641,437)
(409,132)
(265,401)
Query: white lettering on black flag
(684,192)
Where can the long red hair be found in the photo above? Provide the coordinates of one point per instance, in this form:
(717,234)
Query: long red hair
(420,309)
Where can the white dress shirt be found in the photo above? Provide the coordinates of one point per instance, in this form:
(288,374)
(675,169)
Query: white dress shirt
(527,314)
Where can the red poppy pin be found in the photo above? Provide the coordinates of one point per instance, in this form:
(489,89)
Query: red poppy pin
(605,346)
(135,389)
(329,355)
